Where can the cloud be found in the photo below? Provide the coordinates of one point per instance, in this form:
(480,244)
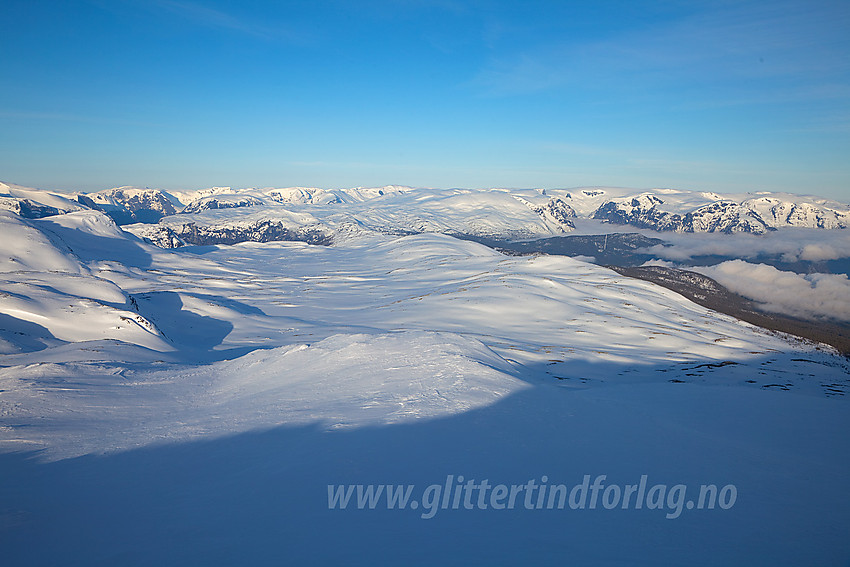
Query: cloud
(662,263)
(819,252)
(789,244)
(810,295)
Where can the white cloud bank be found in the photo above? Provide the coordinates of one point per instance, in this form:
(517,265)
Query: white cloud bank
(790,244)
(810,295)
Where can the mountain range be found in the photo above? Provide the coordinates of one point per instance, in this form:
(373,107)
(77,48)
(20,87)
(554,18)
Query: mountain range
(184,376)
(225,215)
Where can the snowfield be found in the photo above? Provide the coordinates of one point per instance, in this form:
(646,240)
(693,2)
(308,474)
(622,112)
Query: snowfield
(192,405)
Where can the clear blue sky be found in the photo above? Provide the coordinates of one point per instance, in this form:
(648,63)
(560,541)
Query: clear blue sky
(720,95)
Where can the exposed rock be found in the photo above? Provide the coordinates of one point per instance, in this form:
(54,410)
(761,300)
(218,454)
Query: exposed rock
(26,208)
(127,205)
(221,202)
(190,233)
(644,212)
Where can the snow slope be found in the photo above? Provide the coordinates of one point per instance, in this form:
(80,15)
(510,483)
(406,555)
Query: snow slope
(493,213)
(128,205)
(34,203)
(691,212)
(313,214)
(296,215)
(192,405)
(573,322)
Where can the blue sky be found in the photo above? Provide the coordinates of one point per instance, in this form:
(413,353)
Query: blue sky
(723,95)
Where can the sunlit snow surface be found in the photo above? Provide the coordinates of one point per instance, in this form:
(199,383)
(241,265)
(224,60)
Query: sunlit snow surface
(192,406)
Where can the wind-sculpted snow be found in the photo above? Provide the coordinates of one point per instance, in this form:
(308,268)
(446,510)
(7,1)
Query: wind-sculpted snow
(347,380)
(71,309)
(192,405)
(25,248)
(465,313)
(51,290)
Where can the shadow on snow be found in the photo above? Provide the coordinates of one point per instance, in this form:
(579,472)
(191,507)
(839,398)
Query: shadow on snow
(261,497)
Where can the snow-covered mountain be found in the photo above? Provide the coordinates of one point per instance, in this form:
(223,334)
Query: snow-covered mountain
(319,216)
(752,215)
(128,205)
(51,291)
(77,287)
(198,405)
(776,212)
(644,212)
(34,203)
(227,215)
(494,213)
(225,201)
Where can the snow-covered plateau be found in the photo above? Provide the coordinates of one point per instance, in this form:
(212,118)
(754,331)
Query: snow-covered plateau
(187,388)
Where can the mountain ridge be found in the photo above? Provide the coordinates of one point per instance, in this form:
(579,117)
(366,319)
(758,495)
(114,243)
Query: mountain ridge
(180,218)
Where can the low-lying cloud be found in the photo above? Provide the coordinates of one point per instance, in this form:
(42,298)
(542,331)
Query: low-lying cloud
(818,252)
(810,295)
(789,244)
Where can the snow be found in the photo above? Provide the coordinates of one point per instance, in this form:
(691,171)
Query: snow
(25,248)
(491,213)
(302,195)
(191,406)
(39,196)
(391,210)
